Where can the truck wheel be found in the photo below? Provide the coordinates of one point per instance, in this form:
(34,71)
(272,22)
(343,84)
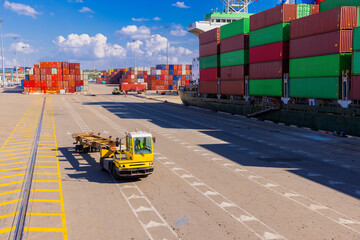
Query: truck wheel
(113,172)
(79,148)
(102,164)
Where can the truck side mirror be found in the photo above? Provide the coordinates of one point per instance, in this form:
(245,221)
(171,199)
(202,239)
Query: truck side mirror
(154,139)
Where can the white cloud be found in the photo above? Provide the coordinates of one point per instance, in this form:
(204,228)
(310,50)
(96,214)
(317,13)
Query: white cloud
(85,47)
(21,9)
(178,30)
(22,47)
(135,45)
(180,5)
(86,10)
(140,19)
(157,19)
(134,32)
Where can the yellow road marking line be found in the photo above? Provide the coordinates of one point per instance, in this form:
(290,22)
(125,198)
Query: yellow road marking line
(44,152)
(42,229)
(46,161)
(10,202)
(23,145)
(9,215)
(15,140)
(16,144)
(16,149)
(47,156)
(15,175)
(7,159)
(45,167)
(44,214)
(44,200)
(47,148)
(11,183)
(10,192)
(46,141)
(11,154)
(45,173)
(46,181)
(6,164)
(63,218)
(12,169)
(6,230)
(45,190)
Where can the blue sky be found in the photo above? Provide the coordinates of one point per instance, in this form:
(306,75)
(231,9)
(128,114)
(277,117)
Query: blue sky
(104,33)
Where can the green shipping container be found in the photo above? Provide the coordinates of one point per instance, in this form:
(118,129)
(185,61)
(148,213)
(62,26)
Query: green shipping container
(356,39)
(209,62)
(324,88)
(303,10)
(273,34)
(54,71)
(235,58)
(266,87)
(356,64)
(320,66)
(239,27)
(331,4)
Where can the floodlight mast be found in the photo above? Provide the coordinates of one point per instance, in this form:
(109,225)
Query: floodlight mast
(237,6)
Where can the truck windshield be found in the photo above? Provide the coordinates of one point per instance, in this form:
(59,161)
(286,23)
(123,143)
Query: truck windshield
(142,145)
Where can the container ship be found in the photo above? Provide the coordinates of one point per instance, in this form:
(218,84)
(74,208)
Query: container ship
(297,64)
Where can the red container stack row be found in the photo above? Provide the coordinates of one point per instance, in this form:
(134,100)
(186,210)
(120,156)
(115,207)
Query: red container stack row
(169,77)
(52,77)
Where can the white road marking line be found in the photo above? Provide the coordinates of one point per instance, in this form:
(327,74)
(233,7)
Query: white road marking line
(195,184)
(269,185)
(210,193)
(347,221)
(134,197)
(289,195)
(335,183)
(241,170)
(317,207)
(314,175)
(186,176)
(143,209)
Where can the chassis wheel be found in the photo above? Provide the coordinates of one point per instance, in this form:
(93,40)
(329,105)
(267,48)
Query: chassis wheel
(102,164)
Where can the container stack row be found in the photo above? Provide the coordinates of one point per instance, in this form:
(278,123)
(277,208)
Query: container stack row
(209,51)
(355,79)
(320,50)
(55,77)
(234,57)
(112,76)
(135,78)
(169,77)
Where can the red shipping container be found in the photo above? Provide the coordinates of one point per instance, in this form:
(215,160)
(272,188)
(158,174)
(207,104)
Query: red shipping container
(49,83)
(209,49)
(323,44)
(65,65)
(77,83)
(234,72)
(48,71)
(42,65)
(26,89)
(66,71)
(271,52)
(66,77)
(355,88)
(43,77)
(54,77)
(72,89)
(210,74)
(60,77)
(54,83)
(53,64)
(48,88)
(77,72)
(77,65)
(72,65)
(43,84)
(58,65)
(314,9)
(37,71)
(236,87)
(43,89)
(77,77)
(72,77)
(26,84)
(341,18)
(72,71)
(43,71)
(48,77)
(209,36)
(59,71)
(32,77)
(208,87)
(232,44)
(36,66)
(72,83)
(37,84)
(268,70)
(280,14)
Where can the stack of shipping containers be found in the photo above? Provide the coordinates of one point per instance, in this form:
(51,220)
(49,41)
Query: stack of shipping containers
(52,77)
(134,78)
(269,50)
(209,61)
(234,57)
(169,77)
(355,79)
(320,50)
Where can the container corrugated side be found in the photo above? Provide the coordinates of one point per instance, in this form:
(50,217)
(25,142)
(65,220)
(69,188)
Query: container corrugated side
(239,27)
(235,58)
(208,87)
(273,16)
(355,87)
(234,72)
(323,88)
(268,35)
(331,4)
(209,62)
(233,87)
(270,52)
(344,18)
(209,36)
(320,66)
(268,70)
(356,63)
(209,49)
(323,44)
(266,87)
(236,43)
(210,74)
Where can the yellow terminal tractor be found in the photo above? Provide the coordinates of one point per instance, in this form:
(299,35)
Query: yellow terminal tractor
(132,158)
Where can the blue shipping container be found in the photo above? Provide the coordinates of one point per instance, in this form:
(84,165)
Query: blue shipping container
(305,1)
(177,77)
(171,67)
(171,72)
(175,82)
(170,87)
(158,77)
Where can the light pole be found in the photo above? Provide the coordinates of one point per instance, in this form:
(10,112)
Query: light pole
(2,54)
(16,62)
(167,44)
(23,47)
(134,54)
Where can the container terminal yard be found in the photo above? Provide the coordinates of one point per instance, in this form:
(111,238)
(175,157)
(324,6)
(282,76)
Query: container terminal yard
(153,153)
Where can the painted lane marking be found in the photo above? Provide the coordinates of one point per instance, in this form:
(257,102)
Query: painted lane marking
(15,175)
(8,215)
(11,183)
(14,163)
(12,169)
(10,192)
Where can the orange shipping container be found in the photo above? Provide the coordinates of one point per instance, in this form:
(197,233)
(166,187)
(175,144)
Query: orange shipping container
(54,77)
(48,77)
(72,83)
(66,71)
(77,71)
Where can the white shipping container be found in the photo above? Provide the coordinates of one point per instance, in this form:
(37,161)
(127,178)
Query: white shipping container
(158,72)
(132,76)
